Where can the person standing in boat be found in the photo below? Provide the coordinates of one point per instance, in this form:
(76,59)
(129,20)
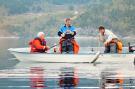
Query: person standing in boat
(67,41)
(38,44)
(111,42)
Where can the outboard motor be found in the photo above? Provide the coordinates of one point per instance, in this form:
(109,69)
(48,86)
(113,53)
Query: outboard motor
(131,48)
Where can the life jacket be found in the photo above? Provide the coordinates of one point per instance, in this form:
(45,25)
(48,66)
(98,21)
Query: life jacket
(34,48)
(119,44)
(75,45)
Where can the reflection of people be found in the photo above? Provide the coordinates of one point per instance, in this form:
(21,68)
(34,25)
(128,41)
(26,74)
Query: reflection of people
(111,41)
(67,42)
(68,79)
(39,43)
(107,81)
(37,78)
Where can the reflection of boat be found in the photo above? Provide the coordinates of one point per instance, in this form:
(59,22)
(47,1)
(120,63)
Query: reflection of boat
(48,74)
(23,54)
(84,70)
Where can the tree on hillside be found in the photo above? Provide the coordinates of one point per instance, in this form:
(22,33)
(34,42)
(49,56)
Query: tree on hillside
(117,15)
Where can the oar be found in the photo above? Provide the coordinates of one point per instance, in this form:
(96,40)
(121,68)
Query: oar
(97,54)
(96,57)
(54,46)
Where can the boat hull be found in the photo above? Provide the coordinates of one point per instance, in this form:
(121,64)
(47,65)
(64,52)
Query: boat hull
(23,55)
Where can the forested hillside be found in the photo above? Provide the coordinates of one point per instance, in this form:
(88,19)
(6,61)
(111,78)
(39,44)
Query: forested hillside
(27,17)
(119,15)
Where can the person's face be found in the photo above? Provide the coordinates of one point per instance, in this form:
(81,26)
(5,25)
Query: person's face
(68,22)
(42,36)
(102,31)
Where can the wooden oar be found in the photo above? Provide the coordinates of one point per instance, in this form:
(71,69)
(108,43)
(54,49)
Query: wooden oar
(53,46)
(96,57)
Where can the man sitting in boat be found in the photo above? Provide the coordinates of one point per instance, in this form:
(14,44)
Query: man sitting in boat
(111,42)
(38,44)
(67,42)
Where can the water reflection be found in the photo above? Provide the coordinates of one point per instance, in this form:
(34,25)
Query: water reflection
(68,78)
(108,82)
(115,79)
(37,77)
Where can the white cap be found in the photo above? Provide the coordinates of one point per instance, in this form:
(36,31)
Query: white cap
(40,33)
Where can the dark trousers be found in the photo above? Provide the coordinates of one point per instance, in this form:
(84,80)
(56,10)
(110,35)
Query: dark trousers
(111,48)
(67,46)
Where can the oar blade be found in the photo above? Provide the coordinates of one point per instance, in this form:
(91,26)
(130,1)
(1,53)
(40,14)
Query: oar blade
(96,57)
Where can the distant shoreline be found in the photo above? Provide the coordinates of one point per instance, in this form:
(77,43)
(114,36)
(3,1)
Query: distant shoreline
(10,37)
(80,37)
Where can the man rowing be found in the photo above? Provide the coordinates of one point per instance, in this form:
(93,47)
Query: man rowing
(67,42)
(38,44)
(111,42)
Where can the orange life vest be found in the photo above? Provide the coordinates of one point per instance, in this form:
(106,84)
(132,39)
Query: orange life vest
(119,46)
(37,45)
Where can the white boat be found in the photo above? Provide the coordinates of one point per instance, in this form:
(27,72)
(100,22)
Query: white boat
(23,54)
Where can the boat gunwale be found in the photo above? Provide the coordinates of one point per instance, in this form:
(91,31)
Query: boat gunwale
(90,53)
(71,54)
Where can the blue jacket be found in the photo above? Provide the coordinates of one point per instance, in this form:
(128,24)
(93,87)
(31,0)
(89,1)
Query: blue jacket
(63,29)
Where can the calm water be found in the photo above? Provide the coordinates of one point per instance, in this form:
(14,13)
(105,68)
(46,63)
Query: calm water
(19,75)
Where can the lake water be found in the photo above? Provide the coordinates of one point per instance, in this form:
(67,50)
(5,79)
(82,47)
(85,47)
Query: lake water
(19,75)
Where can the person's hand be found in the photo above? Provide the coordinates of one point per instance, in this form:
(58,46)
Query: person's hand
(68,31)
(106,43)
(47,47)
(72,33)
(63,35)
(44,47)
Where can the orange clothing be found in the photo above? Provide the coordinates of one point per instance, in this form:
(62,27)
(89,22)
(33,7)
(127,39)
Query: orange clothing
(38,45)
(37,77)
(119,44)
(75,45)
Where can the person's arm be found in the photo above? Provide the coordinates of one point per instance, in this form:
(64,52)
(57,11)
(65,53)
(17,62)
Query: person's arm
(38,45)
(60,33)
(109,39)
(70,34)
(110,35)
(73,32)
(101,38)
